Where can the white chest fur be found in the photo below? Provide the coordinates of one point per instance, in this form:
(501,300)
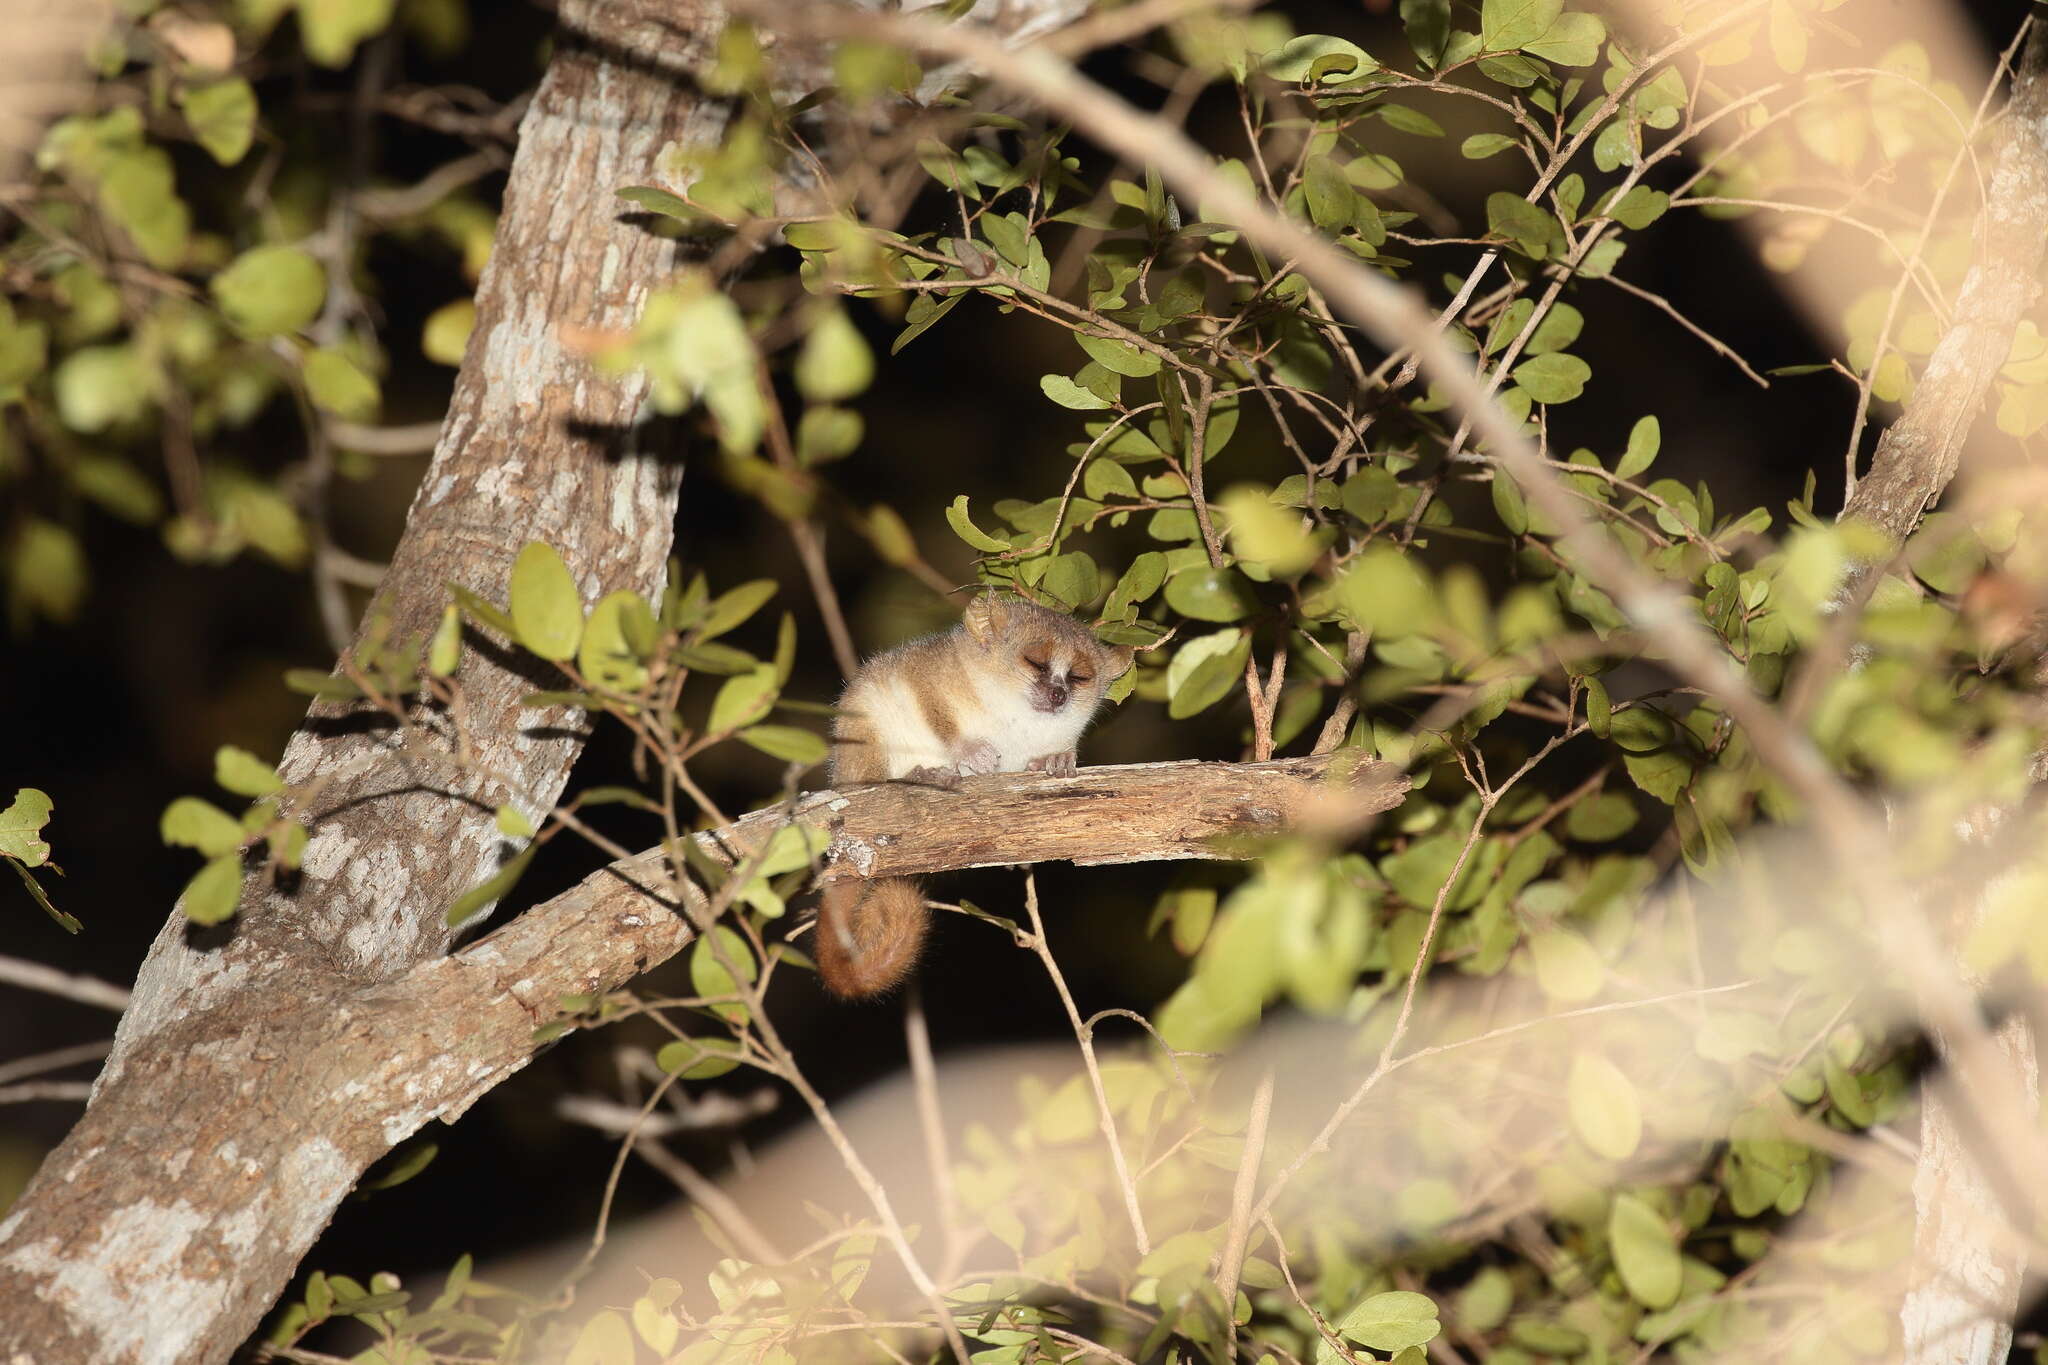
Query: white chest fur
(998,715)
(1019,731)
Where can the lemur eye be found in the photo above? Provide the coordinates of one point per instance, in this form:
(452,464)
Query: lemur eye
(1037,665)
(1081,676)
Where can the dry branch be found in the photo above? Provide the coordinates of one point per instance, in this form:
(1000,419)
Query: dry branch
(305,1092)
(1138,813)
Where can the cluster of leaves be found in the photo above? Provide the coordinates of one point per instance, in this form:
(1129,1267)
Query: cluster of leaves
(183,262)
(1303,538)
(1201,370)
(22,846)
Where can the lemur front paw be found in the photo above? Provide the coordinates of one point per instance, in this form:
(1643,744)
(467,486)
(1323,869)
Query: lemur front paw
(978,757)
(1059,765)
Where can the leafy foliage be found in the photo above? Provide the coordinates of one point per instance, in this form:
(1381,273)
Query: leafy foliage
(1306,545)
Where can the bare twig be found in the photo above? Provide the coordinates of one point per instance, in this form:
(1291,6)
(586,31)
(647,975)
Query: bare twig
(87,990)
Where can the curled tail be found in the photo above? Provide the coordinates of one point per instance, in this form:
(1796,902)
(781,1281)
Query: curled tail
(869,934)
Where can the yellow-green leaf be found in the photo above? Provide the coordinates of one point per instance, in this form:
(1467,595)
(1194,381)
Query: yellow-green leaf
(194,823)
(21,827)
(547,611)
(1606,1112)
(215,891)
(244,774)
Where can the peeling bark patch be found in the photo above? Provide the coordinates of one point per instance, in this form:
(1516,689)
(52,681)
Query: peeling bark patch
(128,1288)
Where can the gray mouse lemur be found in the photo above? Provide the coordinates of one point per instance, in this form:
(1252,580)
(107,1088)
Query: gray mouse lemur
(1010,688)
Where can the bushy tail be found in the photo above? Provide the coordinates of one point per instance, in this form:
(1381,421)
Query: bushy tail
(869,934)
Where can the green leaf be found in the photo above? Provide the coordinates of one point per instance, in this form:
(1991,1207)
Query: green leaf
(657,200)
(331,29)
(139,191)
(711,977)
(336,384)
(1606,1112)
(1553,378)
(697,1059)
(312,682)
(270,290)
(1571,40)
(68,923)
(1118,357)
(1384,592)
(920,320)
(607,1339)
(734,607)
(618,640)
(1428,26)
(193,823)
(1508,24)
(491,889)
(1141,579)
(1482,145)
(1567,967)
(1603,818)
(1644,438)
(1326,58)
(1266,535)
(445,649)
(1508,503)
(1645,1252)
(1560,328)
(835,363)
(827,433)
(1640,207)
(743,699)
(1072,579)
(21,825)
(244,774)
(1068,394)
(786,742)
(117,486)
(484,613)
(1204,671)
(445,334)
(513,824)
(222,117)
(1329,195)
(1392,1321)
(1521,222)
(214,891)
(547,611)
(964,527)
(1207,594)
(102,387)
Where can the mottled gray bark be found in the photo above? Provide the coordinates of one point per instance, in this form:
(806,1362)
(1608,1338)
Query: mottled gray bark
(264,1065)
(1918,454)
(1963,1291)
(229,1121)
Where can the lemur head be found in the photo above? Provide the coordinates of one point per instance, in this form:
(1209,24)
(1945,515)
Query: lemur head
(1055,660)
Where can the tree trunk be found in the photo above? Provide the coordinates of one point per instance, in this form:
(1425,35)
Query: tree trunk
(222,1133)
(263,1065)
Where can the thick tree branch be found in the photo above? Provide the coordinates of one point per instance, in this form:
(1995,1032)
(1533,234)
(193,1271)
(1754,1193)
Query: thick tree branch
(305,1091)
(1963,1294)
(262,1066)
(1918,454)
(221,1139)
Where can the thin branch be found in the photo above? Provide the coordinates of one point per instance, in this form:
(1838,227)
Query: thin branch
(86,990)
(1105,1116)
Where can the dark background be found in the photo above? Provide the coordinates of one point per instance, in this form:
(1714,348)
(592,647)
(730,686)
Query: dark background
(121,713)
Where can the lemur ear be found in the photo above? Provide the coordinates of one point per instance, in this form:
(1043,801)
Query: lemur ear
(1116,662)
(983,619)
